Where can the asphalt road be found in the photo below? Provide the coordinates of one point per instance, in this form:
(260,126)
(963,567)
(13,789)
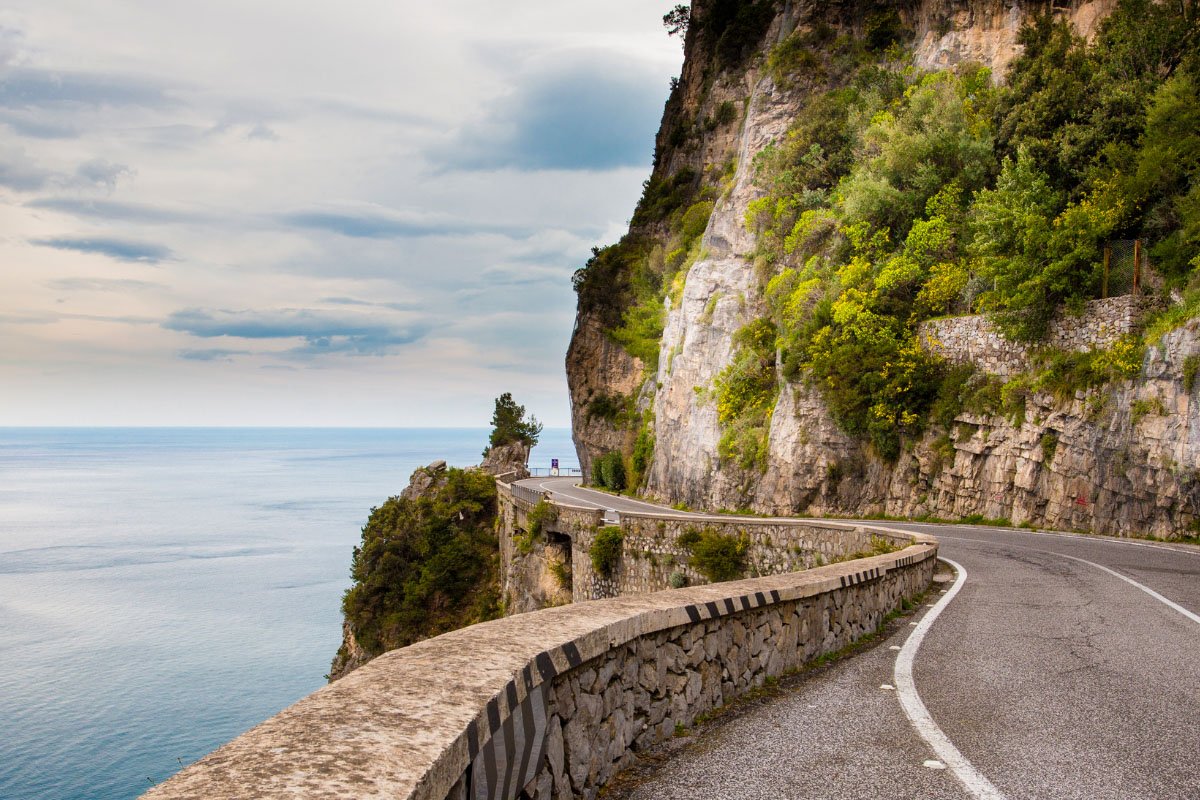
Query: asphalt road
(1052,672)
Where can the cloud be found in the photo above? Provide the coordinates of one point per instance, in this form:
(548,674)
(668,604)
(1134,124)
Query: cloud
(120,249)
(116,210)
(101,285)
(261,132)
(354,301)
(387,224)
(19,174)
(31,125)
(583,112)
(101,172)
(213,354)
(26,88)
(13,50)
(322,332)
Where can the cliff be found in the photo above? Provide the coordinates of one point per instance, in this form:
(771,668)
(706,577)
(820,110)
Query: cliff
(1118,457)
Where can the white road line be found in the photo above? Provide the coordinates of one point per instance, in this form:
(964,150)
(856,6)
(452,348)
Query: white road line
(1171,603)
(1084,537)
(910,700)
(1193,617)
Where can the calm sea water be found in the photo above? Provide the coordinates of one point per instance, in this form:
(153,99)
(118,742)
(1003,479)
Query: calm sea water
(163,590)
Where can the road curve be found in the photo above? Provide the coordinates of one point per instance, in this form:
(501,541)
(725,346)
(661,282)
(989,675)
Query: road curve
(1065,667)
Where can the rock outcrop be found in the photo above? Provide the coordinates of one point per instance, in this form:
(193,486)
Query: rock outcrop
(509,460)
(1113,465)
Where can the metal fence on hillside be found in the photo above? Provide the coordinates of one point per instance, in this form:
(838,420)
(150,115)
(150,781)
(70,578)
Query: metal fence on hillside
(1126,268)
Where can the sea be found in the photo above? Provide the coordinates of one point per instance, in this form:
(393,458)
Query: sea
(163,590)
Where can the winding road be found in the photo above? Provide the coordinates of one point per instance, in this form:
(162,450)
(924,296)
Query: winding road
(1051,666)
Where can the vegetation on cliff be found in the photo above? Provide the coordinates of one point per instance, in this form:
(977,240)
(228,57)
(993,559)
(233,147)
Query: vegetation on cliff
(898,196)
(902,196)
(429,560)
(427,564)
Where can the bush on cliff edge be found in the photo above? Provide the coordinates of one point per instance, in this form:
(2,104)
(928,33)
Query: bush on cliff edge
(426,565)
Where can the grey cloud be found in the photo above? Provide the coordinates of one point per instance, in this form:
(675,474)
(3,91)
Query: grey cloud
(213,354)
(263,133)
(20,175)
(120,249)
(590,113)
(116,210)
(354,301)
(378,225)
(101,285)
(50,318)
(100,172)
(389,116)
(322,332)
(26,88)
(12,46)
(32,126)
(522,276)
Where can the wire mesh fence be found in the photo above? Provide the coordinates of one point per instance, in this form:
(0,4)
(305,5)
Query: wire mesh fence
(1125,267)
(1125,270)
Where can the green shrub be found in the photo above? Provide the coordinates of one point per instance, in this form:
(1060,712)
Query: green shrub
(426,565)
(608,472)
(643,452)
(726,113)
(561,570)
(677,580)
(613,408)
(736,27)
(538,517)
(605,551)
(746,391)
(1140,409)
(884,28)
(1049,444)
(1191,365)
(717,556)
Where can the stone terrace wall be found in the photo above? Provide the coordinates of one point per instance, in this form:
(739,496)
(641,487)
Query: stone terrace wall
(973,340)
(650,554)
(554,702)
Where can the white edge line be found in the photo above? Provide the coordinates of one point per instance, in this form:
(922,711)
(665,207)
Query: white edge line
(1193,617)
(910,700)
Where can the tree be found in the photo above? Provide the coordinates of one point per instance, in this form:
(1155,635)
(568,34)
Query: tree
(676,20)
(510,425)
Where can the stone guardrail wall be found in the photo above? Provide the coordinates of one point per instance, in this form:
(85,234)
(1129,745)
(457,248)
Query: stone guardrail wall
(972,339)
(554,702)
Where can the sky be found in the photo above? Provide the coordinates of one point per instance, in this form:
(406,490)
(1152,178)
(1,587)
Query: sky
(303,213)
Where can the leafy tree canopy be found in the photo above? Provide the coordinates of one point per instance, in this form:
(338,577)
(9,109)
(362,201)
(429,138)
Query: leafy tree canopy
(510,425)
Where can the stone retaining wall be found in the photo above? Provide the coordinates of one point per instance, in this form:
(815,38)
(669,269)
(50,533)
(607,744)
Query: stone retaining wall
(650,552)
(973,340)
(554,702)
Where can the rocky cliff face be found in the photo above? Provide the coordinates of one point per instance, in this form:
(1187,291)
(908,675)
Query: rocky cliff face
(1110,468)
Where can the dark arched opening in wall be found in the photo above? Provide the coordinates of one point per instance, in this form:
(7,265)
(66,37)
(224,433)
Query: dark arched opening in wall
(558,560)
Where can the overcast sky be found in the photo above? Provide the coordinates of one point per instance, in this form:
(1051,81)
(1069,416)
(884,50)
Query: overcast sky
(258,212)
